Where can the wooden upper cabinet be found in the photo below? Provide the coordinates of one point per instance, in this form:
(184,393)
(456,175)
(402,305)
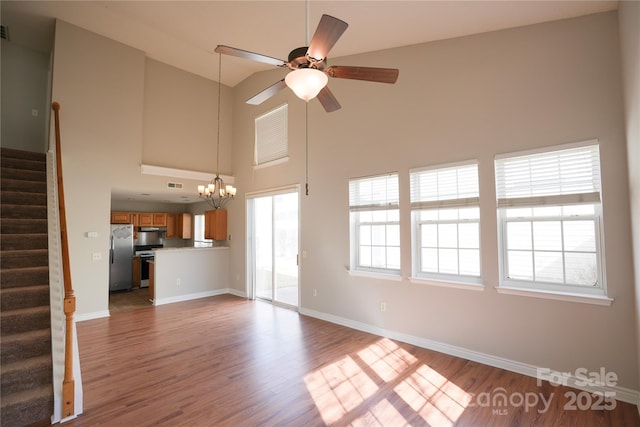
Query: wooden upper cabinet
(172,231)
(179,226)
(184,225)
(145,219)
(121,218)
(215,224)
(160,219)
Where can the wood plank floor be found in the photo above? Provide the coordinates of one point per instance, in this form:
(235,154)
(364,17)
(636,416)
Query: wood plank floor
(227,361)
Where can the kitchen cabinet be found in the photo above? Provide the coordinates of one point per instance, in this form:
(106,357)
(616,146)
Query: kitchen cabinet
(184,225)
(121,218)
(159,219)
(152,280)
(179,226)
(172,232)
(215,224)
(136,271)
(152,219)
(145,219)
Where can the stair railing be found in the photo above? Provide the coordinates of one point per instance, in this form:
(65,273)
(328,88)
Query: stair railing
(68,384)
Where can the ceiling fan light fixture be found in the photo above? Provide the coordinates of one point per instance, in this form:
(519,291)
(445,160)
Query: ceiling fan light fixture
(306,83)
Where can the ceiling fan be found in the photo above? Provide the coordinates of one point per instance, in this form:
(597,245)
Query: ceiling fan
(309,72)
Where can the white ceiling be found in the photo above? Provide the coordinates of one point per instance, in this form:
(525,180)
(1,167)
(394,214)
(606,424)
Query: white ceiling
(185,33)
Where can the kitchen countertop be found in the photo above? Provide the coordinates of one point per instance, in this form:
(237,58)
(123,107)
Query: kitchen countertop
(190,248)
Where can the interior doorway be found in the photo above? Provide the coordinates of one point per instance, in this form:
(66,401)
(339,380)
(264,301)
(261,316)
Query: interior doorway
(272,246)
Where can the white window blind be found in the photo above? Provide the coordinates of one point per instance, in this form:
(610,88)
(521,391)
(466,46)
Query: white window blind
(374,193)
(560,177)
(449,186)
(272,136)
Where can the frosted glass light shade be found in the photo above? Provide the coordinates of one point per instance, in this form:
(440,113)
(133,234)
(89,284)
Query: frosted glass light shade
(306,83)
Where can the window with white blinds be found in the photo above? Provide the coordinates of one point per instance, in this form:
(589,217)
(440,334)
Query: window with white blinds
(272,136)
(564,176)
(375,224)
(446,222)
(549,214)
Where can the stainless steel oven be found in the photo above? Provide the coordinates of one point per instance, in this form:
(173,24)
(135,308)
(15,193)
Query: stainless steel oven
(145,252)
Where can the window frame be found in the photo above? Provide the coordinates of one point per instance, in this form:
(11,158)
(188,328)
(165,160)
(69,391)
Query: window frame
(198,238)
(551,201)
(355,223)
(436,205)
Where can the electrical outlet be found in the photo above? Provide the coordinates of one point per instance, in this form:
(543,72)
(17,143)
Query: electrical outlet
(96,256)
(315,292)
(179,282)
(383,306)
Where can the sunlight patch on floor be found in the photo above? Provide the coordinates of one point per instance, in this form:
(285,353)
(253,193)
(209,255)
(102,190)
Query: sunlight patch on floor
(338,388)
(350,384)
(387,359)
(437,400)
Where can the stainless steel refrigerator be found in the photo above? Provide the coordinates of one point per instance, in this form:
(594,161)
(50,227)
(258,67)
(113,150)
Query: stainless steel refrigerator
(121,257)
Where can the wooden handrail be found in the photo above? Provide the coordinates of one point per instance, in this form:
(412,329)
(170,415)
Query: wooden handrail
(68,384)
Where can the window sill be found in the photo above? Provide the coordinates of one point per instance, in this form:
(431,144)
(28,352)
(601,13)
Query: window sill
(271,163)
(559,296)
(383,276)
(448,284)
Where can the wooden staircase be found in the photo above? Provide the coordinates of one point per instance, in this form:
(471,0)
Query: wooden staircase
(25,321)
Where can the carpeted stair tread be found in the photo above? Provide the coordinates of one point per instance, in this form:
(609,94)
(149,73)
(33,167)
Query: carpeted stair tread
(23,164)
(25,374)
(21,185)
(29,344)
(24,258)
(11,242)
(32,276)
(23,226)
(24,174)
(24,297)
(14,153)
(27,407)
(24,320)
(12,210)
(21,198)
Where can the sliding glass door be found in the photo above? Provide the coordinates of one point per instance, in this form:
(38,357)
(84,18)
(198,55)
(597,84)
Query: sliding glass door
(273,246)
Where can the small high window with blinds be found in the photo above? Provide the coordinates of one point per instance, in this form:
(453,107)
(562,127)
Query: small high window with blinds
(549,213)
(272,136)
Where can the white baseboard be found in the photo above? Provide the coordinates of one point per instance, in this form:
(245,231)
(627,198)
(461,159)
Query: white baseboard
(91,316)
(189,297)
(620,393)
(236,292)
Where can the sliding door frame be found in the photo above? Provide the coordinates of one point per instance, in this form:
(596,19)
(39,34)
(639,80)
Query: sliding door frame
(250,256)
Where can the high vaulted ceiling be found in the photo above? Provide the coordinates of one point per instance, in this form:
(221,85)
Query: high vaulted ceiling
(185,33)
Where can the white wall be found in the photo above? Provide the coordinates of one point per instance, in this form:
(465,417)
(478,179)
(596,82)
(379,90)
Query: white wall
(629,16)
(25,77)
(182,274)
(106,108)
(465,98)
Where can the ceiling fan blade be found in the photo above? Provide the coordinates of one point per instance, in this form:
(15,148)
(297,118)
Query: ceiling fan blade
(227,50)
(328,101)
(327,34)
(267,93)
(380,75)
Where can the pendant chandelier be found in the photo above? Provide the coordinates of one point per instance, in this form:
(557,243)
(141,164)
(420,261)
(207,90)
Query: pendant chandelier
(216,193)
